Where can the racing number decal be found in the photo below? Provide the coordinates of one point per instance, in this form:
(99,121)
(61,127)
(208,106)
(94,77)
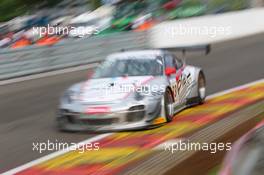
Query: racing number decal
(174,89)
(183,85)
(180,85)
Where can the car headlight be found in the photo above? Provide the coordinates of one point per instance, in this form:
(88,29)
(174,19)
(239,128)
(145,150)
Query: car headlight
(70,96)
(139,96)
(146,91)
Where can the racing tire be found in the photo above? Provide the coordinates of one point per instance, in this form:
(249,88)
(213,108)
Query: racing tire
(201,88)
(168,105)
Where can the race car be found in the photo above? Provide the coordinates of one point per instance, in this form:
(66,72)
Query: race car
(132,90)
(247,154)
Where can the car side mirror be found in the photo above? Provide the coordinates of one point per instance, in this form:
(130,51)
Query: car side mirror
(170,70)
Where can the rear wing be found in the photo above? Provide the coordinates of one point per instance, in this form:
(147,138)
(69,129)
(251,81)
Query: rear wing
(201,48)
(206,48)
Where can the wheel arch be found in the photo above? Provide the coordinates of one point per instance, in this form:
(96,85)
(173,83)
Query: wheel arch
(169,88)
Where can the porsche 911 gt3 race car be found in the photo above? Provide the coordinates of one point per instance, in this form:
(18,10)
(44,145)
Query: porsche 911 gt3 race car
(132,90)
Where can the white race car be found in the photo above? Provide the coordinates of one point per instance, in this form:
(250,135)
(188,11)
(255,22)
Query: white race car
(132,90)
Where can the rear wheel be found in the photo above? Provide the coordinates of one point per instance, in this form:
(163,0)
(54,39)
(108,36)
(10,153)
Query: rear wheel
(201,88)
(168,105)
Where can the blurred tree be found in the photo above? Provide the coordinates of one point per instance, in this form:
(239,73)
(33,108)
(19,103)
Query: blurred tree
(12,8)
(96,3)
(48,3)
(228,5)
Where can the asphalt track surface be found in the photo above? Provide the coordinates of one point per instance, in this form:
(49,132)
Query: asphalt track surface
(28,109)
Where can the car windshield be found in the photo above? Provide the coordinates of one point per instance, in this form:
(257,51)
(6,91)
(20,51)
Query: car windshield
(129,67)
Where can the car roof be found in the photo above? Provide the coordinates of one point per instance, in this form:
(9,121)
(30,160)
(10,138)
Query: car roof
(136,53)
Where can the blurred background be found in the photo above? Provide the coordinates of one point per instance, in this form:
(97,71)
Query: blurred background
(70,37)
(100,17)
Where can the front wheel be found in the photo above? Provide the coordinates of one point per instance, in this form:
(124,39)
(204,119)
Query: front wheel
(168,105)
(201,88)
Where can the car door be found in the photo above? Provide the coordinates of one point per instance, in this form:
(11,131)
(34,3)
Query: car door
(171,63)
(180,81)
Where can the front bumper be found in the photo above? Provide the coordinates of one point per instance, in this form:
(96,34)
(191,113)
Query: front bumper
(134,117)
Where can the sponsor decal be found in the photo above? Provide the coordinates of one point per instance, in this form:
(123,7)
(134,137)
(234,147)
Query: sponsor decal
(97,110)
